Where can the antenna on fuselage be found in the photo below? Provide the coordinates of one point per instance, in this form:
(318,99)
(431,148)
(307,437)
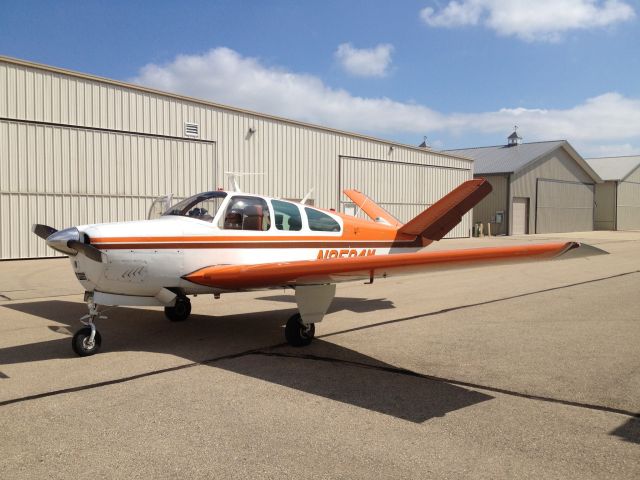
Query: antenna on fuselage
(307,196)
(233,179)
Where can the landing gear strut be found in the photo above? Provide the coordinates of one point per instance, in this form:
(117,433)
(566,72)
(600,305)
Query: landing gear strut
(87,340)
(180,311)
(297,333)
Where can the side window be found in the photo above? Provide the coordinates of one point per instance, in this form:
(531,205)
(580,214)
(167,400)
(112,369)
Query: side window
(247,213)
(321,222)
(206,209)
(287,216)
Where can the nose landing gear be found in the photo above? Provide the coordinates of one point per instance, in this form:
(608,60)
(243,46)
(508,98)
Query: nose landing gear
(87,340)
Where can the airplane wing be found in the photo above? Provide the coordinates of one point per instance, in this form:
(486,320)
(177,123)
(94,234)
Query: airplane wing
(334,270)
(372,209)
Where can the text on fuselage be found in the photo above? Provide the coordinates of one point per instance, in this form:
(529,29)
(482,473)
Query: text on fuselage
(324,254)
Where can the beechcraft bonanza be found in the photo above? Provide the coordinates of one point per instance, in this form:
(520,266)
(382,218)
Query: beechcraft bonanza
(228,241)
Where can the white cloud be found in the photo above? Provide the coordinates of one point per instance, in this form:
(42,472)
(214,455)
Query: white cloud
(537,20)
(614,150)
(222,75)
(365,62)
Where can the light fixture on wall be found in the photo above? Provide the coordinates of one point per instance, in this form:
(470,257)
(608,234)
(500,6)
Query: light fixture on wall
(390,149)
(250,133)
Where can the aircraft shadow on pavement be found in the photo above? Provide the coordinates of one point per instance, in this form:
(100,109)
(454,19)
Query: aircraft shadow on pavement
(629,431)
(353,304)
(323,369)
(346,376)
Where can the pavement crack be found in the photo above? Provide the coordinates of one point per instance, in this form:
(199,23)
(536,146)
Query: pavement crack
(461,383)
(129,378)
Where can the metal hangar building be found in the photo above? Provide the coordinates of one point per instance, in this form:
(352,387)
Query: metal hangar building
(618,198)
(78,149)
(538,187)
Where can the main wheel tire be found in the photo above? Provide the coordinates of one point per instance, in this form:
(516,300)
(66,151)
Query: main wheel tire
(297,333)
(180,311)
(80,342)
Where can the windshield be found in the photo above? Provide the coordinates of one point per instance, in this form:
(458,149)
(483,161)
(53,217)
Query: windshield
(203,206)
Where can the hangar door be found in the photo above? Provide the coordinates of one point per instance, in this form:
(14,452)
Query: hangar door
(64,176)
(628,206)
(403,189)
(563,206)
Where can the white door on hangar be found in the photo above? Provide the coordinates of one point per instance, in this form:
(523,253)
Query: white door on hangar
(520,212)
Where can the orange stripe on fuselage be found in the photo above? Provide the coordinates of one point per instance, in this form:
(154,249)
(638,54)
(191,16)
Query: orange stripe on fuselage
(255,245)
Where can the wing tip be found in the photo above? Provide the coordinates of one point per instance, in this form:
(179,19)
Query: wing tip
(582,250)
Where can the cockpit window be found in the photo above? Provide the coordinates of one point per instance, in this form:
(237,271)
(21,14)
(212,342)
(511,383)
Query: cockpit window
(287,216)
(321,222)
(203,206)
(246,213)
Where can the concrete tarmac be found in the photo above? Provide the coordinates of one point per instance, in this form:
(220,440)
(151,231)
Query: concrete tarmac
(519,371)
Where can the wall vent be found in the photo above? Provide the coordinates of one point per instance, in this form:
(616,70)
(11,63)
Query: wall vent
(191,130)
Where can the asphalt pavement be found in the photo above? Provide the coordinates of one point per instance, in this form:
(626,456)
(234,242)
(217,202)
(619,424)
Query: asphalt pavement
(515,371)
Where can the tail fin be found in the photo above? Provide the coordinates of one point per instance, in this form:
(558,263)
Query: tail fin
(440,218)
(372,209)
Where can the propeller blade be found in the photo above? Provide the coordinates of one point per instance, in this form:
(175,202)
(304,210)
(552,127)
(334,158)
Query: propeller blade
(88,250)
(43,231)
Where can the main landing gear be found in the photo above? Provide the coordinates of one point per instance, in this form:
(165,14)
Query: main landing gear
(180,311)
(297,333)
(87,340)
(313,302)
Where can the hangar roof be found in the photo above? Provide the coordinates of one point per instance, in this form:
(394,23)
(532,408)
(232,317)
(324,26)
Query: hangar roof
(614,168)
(511,159)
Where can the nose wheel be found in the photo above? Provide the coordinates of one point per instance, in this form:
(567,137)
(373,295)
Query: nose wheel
(87,340)
(83,344)
(297,333)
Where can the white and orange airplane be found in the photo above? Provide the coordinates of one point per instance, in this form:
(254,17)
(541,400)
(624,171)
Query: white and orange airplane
(222,241)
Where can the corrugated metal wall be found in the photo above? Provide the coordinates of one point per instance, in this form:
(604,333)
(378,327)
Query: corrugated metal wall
(558,165)
(403,189)
(112,147)
(564,206)
(605,210)
(65,176)
(629,202)
(496,201)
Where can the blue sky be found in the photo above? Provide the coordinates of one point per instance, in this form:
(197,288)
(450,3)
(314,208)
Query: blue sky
(462,73)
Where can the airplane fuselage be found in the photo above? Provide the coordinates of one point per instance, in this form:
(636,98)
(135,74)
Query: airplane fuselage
(143,257)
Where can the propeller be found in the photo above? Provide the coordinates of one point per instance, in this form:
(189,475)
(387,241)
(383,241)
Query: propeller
(43,231)
(67,241)
(88,250)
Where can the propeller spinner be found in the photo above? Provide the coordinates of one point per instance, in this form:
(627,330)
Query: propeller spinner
(67,241)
